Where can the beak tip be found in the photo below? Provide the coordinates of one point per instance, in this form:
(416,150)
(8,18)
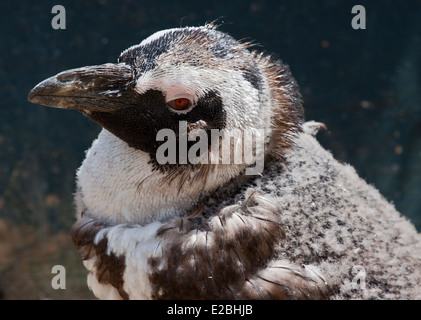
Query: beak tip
(44,92)
(32,96)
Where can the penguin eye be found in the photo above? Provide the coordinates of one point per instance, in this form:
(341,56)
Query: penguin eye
(180,103)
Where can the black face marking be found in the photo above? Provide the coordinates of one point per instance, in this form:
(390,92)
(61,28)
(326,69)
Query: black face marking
(134,124)
(138,126)
(208,108)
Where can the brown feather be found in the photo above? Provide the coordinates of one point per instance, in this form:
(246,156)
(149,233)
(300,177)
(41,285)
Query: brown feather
(227,256)
(109,267)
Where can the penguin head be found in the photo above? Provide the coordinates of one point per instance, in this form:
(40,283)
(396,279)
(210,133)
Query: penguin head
(198,75)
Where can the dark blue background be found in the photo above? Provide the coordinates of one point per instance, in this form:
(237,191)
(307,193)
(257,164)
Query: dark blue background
(363,84)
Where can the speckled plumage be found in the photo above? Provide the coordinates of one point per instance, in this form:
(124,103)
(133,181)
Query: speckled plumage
(337,222)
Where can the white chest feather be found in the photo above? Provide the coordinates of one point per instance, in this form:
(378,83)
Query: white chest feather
(117,184)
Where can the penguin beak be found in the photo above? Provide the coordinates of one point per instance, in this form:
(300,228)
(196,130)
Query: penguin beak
(102,88)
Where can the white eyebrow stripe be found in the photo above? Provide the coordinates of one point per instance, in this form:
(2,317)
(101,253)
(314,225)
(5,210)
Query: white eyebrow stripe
(183,80)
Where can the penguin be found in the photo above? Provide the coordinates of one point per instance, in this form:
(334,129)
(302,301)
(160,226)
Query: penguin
(304,227)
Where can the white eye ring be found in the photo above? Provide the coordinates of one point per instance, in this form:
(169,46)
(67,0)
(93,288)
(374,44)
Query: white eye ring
(180,102)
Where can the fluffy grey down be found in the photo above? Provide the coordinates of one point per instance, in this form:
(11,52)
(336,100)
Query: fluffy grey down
(335,221)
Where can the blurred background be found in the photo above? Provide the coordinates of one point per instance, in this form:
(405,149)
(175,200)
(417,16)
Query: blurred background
(363,84)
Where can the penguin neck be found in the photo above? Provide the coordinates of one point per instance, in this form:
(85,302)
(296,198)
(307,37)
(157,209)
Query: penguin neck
(118,184)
